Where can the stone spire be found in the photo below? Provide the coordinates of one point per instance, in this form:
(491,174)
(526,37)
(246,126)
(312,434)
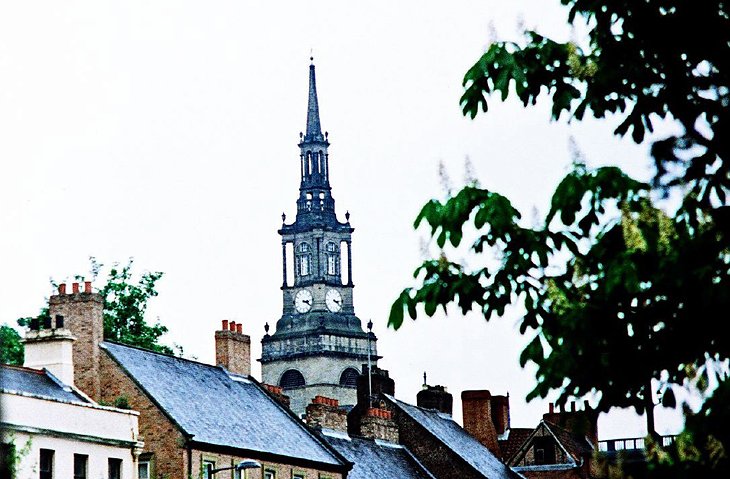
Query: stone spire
(315,204)
(314,129)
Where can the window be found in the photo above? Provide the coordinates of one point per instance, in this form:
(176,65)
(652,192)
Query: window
(303,259)
(144,469)
(7,451)
(297,476)
(269,474)
(332,259)
(46,464)
(115,468)
(81,462)
(291,379)
(544,450)
(207,467)
(304,265)
(349,377)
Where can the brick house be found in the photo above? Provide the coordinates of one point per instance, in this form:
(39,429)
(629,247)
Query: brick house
(191,414)
(385,437)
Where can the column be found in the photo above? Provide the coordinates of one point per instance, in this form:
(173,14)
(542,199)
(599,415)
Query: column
(349,262)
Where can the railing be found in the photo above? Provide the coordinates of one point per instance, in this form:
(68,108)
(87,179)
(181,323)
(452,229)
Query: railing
(631,443)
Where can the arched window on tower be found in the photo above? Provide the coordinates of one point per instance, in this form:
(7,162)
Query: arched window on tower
(291,379)
(304,259)
(349,377)
(333,259)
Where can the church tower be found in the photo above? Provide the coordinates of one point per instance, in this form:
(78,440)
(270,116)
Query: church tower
(319,344)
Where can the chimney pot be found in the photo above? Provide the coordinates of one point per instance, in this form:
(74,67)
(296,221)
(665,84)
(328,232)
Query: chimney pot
(87,286)
(572,406)
(551,408)
(586,406)
(239,328)
(75,288)
(232,326)
(224,324)
(62,288)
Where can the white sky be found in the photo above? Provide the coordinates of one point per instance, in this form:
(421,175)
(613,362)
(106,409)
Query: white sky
(168,131)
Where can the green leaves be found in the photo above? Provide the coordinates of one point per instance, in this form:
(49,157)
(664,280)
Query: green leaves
(125,304)
(11,347)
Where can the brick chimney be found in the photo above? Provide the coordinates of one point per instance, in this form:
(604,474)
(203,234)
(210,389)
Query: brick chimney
(580,422)
(381,384)
(500,413)
(233,348)
(477,410)
(380,381)
(51,348)
(435,397)
(278,393)
(83,317)
(324,412)
(377,423)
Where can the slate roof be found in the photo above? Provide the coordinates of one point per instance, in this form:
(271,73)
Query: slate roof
(516,437)
(376,459)
(218,407)
(37,383)
(454,437)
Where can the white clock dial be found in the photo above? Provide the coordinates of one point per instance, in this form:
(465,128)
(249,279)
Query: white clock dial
(303,301)
(333,300)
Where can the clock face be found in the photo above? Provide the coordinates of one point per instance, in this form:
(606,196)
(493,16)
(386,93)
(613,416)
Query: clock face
(333,300)
(303,301)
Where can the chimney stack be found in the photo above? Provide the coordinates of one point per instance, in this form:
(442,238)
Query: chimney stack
(51,348)
(377,423)
(477,411)
(81,316)
(278,393)
(233,348)
(500,414)
(324,412)
(435,397)
(380,381)
(582,423)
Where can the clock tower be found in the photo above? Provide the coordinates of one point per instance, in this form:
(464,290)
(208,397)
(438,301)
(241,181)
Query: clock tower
(319,344)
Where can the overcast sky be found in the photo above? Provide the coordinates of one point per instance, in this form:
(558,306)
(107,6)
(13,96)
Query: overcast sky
(167,131)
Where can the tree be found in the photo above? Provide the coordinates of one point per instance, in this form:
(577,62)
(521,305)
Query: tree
(11,349)
(125,304)
(617,292)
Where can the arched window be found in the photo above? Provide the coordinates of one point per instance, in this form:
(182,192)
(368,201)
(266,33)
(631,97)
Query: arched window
(349,377)
(291,379)
(333,259)
(303,259)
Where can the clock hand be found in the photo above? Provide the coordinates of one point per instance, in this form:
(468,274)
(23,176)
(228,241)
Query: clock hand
(305,301)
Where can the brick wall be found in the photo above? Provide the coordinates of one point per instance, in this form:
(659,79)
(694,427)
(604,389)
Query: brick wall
(159,434)
(439,460)
(283,471)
